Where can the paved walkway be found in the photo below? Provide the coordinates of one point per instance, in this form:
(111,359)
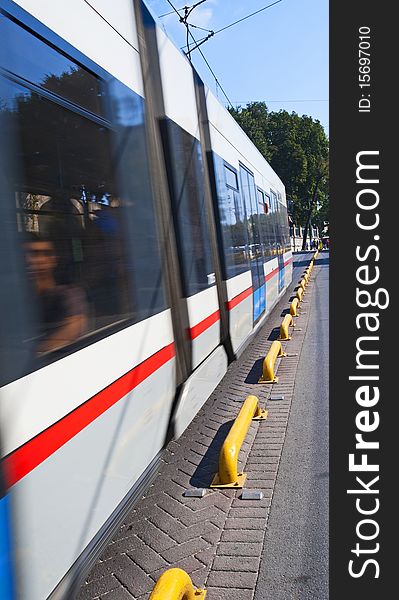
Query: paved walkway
(217,539)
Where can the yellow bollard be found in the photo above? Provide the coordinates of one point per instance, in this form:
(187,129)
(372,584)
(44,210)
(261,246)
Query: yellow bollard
(175,584)
(276,351)
(284,327)
(228,476)
(294,307)
(302,285)
(299,294)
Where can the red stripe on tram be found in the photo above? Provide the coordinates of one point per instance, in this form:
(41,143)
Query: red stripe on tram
(271,274)
(204,325)
(26,458)
(237,299)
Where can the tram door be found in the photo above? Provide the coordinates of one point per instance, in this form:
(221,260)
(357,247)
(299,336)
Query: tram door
(254,242)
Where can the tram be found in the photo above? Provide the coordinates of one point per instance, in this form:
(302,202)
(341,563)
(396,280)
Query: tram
(144,240)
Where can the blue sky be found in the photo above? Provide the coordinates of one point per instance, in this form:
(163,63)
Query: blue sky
(279,55)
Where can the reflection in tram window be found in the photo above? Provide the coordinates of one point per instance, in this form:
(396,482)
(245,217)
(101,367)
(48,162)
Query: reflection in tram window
(83,209)
(232,220)
(35,61)
(188,196)
(71,198)
(62,308)
(274,223)
(251,206)
(265,224)
(249,192)
(231,178)
(280,224)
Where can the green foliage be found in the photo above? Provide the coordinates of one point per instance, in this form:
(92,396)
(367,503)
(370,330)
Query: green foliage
(297,148)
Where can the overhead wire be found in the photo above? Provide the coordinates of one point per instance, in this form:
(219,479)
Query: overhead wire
(202,28)
(110,24)
(183,8)
(171,12)
(175,9)
(216,79)
(203,56)
(248,16)
(243,19)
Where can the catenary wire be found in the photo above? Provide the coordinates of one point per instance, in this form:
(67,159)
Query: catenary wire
(110,24)
(203,56)
(248,16)
(243,18)
(172,11)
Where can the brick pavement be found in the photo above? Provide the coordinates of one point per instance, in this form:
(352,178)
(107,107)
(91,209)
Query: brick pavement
(217,539)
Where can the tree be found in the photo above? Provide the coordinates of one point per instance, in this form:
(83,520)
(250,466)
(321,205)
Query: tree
(297,149)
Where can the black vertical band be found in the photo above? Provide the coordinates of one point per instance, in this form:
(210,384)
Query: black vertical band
(363,249)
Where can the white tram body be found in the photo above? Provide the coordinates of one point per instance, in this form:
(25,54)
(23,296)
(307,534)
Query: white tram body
(144,239)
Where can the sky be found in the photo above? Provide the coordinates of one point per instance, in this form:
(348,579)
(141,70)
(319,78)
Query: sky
(279,56)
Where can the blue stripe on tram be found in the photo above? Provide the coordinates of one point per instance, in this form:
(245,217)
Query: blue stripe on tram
(6,575)
(259,301)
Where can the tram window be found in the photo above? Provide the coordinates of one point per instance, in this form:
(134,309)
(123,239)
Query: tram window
(287,245)
(88,232)
(190,213)
(231,177)
(267,227)
(232,220)
(251,205)
(279,223)
(35,61)
(264,219)
(273,201)
(254,235)
(283,230)
(274,225)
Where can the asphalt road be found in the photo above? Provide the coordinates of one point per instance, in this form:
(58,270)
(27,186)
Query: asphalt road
(294,563)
